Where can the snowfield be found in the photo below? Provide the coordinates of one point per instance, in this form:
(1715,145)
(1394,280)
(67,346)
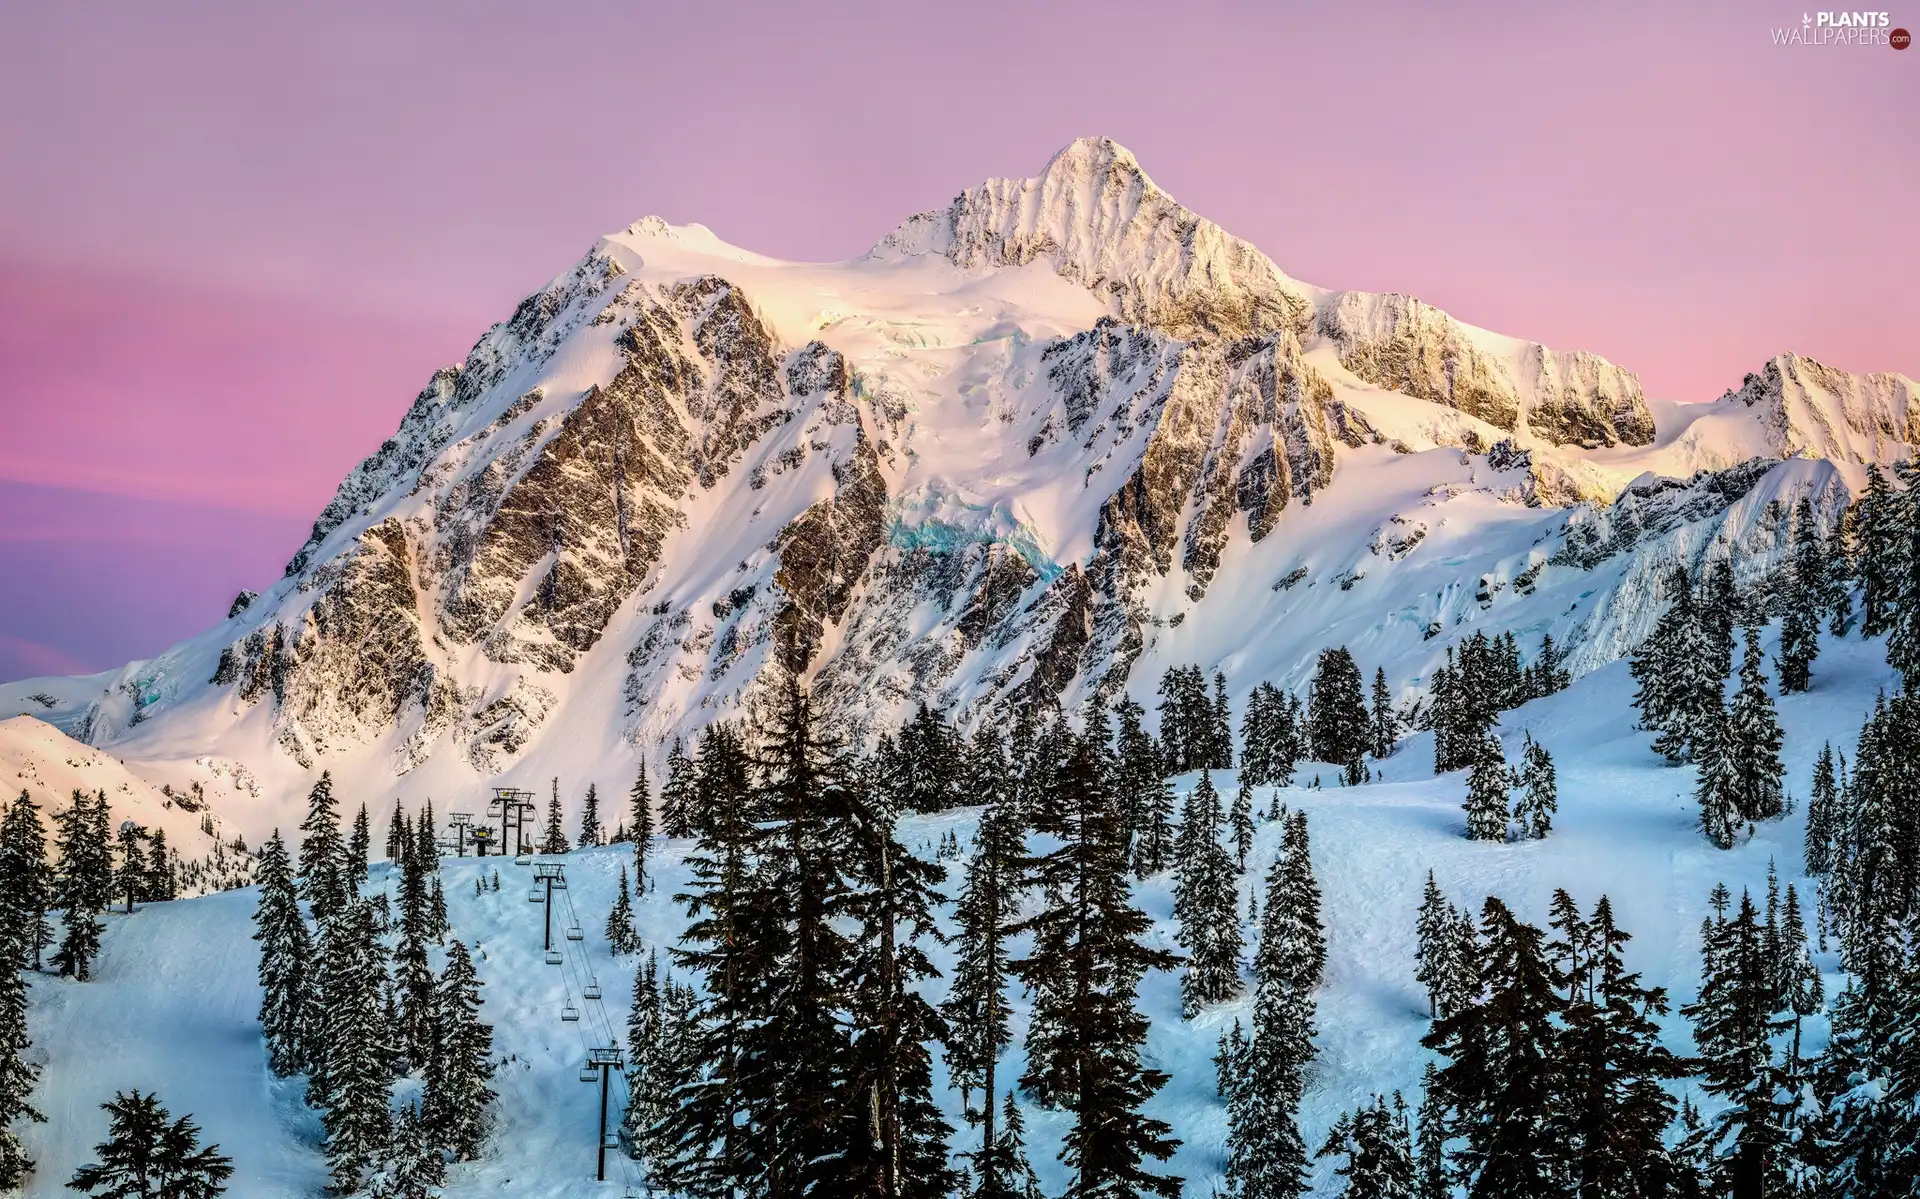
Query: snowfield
(173,1005)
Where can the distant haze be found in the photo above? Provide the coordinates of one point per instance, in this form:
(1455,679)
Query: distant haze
(235,239)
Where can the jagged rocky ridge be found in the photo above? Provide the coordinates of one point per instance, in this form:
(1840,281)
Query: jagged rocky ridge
(1066,432)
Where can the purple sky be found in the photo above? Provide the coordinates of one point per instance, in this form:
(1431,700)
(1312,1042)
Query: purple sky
(236,238)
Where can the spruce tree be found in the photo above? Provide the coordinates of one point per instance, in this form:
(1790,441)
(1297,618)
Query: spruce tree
(976,1009)
(1717,791)
(1433,941)
(412,974)
(1733,1029)
(1610,1111)
(1385,723)
(147,1154)
(1534,808)
(1220,728)
(356,1059)
(1142,791)
(642,827)
(1011,1174)
(131,877)
(26,882)
(1876,518)
(1432,1178)
(1502,1055)
(622,939)
(286,1014)
(1267,1155)
(1088,957)
(590,819)
(324,880)
(1240,822)
(1902,551)
(1337,721)
(893,901)
(399,835)
(17,1075)
(1755,738)
(416,1168)
(1804,600)
(159,885)
(1378,1149)
(1823,814)
(1486,803)
(677,797)
(553,839)
(359,847)
(83,884)
(454,1107)
(1206,905)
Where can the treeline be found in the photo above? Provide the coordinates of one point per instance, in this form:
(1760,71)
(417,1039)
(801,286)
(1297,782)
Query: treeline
(350,1000)
(803,1059)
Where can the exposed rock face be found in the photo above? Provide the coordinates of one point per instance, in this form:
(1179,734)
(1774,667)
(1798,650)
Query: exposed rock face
(1100,221)
(1813,409)
(824,553)
(1400,343)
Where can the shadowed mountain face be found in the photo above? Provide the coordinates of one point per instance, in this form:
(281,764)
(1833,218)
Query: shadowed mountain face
(1033,447)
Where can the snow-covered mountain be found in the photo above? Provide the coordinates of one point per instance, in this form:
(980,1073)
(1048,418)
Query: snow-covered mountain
(1043,442)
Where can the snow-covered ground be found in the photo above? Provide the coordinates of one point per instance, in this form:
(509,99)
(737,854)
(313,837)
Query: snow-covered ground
(173,1004)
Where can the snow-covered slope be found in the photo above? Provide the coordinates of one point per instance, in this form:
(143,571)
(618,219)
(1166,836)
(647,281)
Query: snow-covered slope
(1041,443)
(173,1004)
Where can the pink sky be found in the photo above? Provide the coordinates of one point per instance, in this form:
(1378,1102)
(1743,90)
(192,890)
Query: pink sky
(235,240)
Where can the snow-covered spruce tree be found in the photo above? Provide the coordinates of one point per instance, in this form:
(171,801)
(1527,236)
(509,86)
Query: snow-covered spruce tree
(1088,957)
(640,799)
(1186,720)
(1902,550)
(1755,740)
(1378,1148)
(1733,1028)
(1534,807)
(1433,941)
(323,855)
(412,975)
(158,884)
(697,1144)
(286,1015)
(1142,791)
(1432,1176)
(399,835)
(1610,1110)
(356,1059)
(129,878)
(1487,786)
(647,1079)
(677,793)
(1797,983)
(17,1075)
(454,1106)
(553,838)
(1721,607)
(1267,1155)
(1240,823)
(26,882)
(415,1168)
(1337,721)
(1220,726)
(1823,812)
(722,768)
(359,848)
(147,1154)
(1499,1077)
(1011,1173)
(622,939)
(1385,723)
(1206,905)
(1803,601)
(1716,791)
(1674,668)
(976,1008)
(892,906)
(83,884)
(590,834)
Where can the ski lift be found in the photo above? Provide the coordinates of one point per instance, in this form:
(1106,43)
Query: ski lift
(536,896)
(589,1074)
(570,1014)
(523,859)
(553,957)
(575,933)
(591,991)
(612,1140)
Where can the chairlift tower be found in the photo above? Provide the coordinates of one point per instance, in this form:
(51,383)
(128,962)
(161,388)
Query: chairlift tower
(482,837)
(553,874)
(460,822)
(602,1062)
(513,806)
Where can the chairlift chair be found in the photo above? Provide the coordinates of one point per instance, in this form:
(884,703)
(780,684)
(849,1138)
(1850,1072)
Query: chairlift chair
(570,1014)
(536,896)
(591,991)
(589,1074)
(575,933)
(554,957)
